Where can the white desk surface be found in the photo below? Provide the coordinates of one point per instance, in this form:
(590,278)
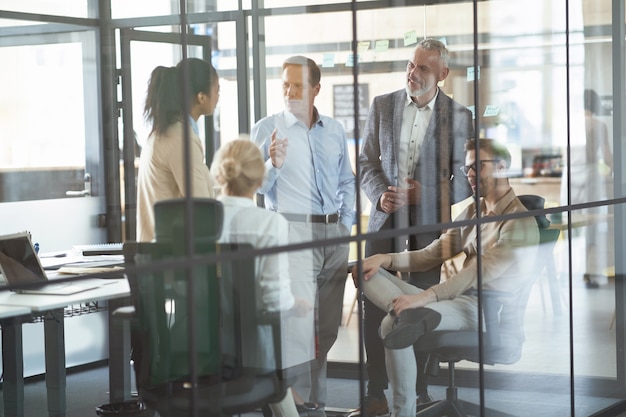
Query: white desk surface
(13,311)
(114,288)
(13,304)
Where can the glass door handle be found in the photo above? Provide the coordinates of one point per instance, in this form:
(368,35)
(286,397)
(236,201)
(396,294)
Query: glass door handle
(82,193)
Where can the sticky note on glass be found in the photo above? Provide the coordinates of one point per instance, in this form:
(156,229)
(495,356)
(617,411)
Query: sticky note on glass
(328,61)
(410,38)
(363,46)
(491,110)
(381,45)
(470,73)
(350,60)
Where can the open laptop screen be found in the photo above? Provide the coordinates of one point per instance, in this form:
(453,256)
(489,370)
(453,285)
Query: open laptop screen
(19,263)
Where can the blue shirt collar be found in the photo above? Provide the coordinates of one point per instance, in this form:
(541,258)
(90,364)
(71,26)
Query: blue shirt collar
(194,126)
(291,119)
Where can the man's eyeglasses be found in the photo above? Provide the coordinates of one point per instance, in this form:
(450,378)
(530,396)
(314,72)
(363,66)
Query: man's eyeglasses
(465,169)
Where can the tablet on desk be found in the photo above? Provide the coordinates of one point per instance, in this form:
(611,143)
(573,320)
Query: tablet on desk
(23,273)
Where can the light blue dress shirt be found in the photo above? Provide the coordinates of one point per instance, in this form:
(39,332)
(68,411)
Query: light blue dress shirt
(316,177)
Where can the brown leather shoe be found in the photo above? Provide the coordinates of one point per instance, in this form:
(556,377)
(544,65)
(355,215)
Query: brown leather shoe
(372,407)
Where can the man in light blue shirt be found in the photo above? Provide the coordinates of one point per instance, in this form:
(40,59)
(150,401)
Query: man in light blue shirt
(309,180)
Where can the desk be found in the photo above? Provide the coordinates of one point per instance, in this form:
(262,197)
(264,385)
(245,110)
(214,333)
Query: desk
(547,187)
(13,369)
(18,305)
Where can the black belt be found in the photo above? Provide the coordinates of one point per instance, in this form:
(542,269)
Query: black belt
(312,218)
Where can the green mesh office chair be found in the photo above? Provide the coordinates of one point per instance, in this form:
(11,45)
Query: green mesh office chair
(503,337)
(220,311)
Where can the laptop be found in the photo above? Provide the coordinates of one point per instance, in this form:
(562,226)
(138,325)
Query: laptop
(20,266)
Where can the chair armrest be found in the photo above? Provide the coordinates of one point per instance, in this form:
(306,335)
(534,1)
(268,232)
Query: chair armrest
(488,293)
(491,304)
(124,313)
(273,319)
(270,317)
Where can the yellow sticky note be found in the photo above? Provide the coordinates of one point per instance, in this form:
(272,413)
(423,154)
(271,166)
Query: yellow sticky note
(363,46)
(410,38)
(381,45)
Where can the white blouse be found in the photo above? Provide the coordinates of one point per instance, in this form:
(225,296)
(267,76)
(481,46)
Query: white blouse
(244,222)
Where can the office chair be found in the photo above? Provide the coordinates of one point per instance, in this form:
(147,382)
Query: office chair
(503,334)
(225,321)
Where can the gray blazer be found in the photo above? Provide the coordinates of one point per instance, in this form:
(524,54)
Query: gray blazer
(441,154)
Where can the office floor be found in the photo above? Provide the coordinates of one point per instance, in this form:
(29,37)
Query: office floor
(546,351)
(87,389)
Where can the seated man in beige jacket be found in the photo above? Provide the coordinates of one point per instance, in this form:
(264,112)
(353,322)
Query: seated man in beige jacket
(506,246)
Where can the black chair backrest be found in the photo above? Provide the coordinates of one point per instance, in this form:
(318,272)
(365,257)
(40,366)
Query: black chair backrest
(506,338)
(535,202)
(159,290)
(234,374)
(503,314)
(170,216)
(163,303)
(243,322)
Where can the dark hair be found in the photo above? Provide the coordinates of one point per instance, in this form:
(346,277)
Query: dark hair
(495,148)
(315,75)
(164,101)
(593,102)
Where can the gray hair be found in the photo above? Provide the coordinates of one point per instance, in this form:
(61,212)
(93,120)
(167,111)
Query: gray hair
(431,44)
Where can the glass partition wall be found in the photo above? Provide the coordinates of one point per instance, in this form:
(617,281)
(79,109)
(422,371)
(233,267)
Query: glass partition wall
(57,159)
(544,78)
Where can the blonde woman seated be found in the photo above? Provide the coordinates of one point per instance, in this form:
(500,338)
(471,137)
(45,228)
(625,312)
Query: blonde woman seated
(238,168)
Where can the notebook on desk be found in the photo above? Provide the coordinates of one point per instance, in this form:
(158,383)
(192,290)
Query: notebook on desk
(100,249)
(20,266)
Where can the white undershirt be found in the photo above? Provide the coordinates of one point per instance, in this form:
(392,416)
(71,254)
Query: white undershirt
(414,124)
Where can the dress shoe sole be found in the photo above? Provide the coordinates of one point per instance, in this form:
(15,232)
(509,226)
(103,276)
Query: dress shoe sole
(378,413)
(403,335)
(313,413)
(410,326)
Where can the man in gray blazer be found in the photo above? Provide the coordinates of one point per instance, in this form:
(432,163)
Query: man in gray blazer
(412,150)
